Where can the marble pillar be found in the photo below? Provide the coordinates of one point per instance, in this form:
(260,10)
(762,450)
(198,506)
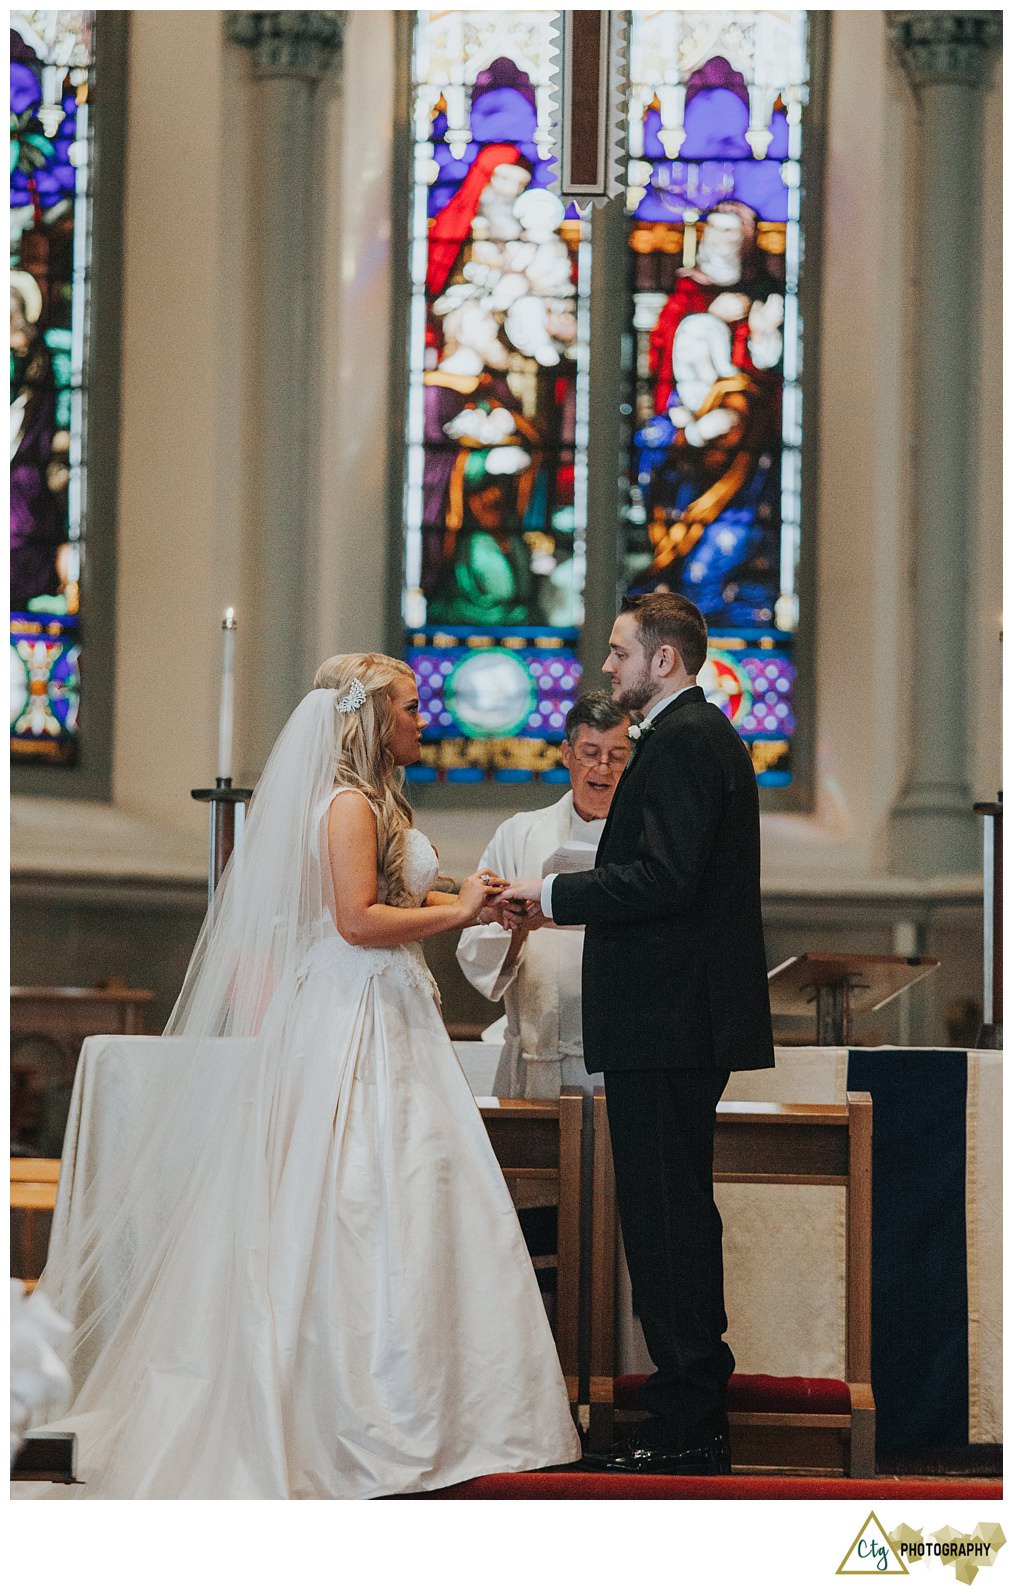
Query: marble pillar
(290,52)
(945,56)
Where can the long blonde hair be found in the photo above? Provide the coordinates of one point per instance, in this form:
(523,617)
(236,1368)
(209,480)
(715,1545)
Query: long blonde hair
(365,759)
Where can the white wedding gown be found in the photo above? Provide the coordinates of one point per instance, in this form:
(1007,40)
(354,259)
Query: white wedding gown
(384,1334)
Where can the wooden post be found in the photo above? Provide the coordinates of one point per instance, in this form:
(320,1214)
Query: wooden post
(990,1036)
(601,1352)
(571,1123)
(858,1355)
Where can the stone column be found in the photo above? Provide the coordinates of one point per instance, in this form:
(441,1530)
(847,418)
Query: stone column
(944,53)
(290,52)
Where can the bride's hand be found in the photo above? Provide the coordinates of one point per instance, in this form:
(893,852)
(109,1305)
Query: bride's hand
(475,892)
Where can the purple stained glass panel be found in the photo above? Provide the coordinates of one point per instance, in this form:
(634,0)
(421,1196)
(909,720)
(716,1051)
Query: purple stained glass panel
(717,73)
(50,82)
(676,185)
(716,123)
(495,702)
(715,405)
(494,518)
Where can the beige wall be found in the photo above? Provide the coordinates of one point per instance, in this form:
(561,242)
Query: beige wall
(181,460)
(355,408)
(985,630)
(188,321)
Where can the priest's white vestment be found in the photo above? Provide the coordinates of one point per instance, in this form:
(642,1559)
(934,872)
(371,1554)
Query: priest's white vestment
(543,1050)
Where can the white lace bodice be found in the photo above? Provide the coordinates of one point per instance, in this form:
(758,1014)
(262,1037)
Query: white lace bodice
(422,867)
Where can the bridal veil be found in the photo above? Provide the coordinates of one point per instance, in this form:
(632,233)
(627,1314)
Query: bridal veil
(173,1183)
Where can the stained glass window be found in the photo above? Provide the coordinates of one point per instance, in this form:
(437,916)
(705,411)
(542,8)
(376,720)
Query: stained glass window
(712,509)
(51,66)
(497,410)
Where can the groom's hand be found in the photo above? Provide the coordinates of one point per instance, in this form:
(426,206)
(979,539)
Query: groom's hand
(520,905)
(526,889)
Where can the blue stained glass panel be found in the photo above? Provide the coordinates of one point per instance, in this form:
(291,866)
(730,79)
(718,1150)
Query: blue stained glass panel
(495,495)
(50,84)
(495,700)
(713,499)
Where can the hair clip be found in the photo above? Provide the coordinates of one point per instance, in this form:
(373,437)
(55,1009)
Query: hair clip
(355,698)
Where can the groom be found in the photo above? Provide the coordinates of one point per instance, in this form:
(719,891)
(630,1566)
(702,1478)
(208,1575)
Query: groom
(674,998)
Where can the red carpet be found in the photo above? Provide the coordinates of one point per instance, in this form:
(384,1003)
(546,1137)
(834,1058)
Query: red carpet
(758,1394)
(723,1487)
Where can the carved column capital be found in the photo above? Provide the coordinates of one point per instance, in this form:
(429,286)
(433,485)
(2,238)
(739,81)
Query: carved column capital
(288,43)
(945,46)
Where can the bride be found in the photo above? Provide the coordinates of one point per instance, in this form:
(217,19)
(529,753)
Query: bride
(308,1280)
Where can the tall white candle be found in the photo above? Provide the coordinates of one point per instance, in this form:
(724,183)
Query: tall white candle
(226,704)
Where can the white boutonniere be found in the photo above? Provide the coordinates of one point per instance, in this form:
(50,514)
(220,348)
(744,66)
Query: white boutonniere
(638,731)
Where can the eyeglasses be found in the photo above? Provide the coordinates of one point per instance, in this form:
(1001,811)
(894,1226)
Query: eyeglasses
(587,756)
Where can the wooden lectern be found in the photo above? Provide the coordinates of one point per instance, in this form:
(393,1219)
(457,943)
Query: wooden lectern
(841,986)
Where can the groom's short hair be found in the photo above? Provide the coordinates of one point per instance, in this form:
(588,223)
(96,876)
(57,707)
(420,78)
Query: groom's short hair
(596,710)
(664,619)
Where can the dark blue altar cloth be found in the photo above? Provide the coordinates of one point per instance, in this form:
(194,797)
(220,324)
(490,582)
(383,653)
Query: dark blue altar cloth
(919,1244)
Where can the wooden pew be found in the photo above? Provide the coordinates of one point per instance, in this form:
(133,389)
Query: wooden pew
(50,1457)
(538,1145)
(820,1426)
(33,1189)
(48,1027)
(66,1016)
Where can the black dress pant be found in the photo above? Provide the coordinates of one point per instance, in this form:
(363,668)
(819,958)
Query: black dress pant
(662,1128)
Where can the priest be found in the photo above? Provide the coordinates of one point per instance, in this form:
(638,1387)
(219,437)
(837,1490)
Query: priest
(537,971)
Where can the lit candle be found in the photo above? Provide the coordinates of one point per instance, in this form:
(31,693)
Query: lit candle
(225,709)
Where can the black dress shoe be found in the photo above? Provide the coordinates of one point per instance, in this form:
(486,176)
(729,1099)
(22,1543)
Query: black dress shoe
(646,1452)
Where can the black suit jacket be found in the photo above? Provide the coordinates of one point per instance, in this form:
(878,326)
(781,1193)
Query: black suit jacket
(674,972)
